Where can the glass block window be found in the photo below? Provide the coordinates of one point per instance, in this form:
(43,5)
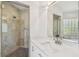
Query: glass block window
(70,28)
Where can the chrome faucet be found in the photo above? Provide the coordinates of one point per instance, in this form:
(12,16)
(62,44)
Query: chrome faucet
(57,40)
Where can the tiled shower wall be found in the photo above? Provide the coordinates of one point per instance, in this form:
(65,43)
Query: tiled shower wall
(10,39)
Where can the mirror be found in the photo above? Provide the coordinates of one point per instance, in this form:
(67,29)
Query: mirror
(63,21)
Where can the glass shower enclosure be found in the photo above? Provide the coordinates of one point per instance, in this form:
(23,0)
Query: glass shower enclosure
(14,32)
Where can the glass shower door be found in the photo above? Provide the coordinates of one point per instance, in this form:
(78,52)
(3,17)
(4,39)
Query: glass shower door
(14,26)
(5,33)
(10,34)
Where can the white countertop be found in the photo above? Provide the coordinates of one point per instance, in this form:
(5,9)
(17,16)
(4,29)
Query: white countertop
(55,50)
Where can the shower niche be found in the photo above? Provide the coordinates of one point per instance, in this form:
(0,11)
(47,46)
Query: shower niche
(15,32)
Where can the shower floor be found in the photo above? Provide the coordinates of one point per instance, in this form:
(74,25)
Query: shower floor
(20,52)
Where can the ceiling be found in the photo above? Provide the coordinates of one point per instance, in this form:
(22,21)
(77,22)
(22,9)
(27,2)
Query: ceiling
(20,7)
(39,3)
(45,3)
(68,6)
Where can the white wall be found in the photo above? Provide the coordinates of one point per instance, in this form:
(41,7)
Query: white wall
(37,19)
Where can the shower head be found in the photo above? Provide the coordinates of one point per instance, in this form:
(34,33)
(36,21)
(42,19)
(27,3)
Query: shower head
(14,17)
